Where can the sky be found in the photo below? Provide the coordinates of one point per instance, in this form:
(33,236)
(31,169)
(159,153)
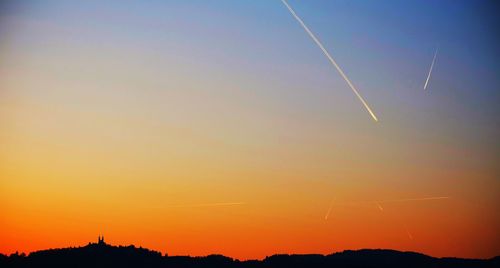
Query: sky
(136,119)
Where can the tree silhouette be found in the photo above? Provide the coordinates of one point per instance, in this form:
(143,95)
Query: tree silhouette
(101,254)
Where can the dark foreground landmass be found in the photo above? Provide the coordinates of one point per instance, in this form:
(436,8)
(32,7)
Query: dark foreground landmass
(104,255)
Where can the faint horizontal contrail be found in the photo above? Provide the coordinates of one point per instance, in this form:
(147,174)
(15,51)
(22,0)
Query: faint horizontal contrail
(330,58)
(379,202)
(430,70)
(413,199)
(211,204)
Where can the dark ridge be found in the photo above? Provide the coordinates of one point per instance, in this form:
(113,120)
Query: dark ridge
(104,255)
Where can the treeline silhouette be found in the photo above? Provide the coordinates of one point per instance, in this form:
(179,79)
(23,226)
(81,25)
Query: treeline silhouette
(104,255)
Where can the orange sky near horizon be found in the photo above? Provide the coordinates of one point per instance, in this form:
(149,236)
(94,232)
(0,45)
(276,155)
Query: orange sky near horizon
(116,126)
(64,193)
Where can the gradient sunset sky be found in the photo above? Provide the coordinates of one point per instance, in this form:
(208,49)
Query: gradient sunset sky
(120,117)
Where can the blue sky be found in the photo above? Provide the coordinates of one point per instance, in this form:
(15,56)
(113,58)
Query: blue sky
(238,87)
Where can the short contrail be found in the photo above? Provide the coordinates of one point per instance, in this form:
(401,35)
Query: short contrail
(430,70)
(409,235)
(330,59)
(211,204)
(329,210)
(380,207)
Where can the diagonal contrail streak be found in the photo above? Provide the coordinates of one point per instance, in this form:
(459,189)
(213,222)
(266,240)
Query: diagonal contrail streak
(430,70)
(329,210)
(409,234)
(330,59)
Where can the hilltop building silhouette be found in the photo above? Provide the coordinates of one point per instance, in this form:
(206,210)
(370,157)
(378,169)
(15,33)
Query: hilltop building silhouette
(100,240)
(105,255)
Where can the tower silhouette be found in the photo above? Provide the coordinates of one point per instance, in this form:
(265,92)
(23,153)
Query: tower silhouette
(100,240)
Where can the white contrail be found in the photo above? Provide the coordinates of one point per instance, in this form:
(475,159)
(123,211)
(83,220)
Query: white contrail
(211,204)
(430,70)
(379,202)
(329,210)
(330,58)
(413,199)
(409,234)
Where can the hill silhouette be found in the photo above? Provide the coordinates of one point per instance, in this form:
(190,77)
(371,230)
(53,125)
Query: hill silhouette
(104,255)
